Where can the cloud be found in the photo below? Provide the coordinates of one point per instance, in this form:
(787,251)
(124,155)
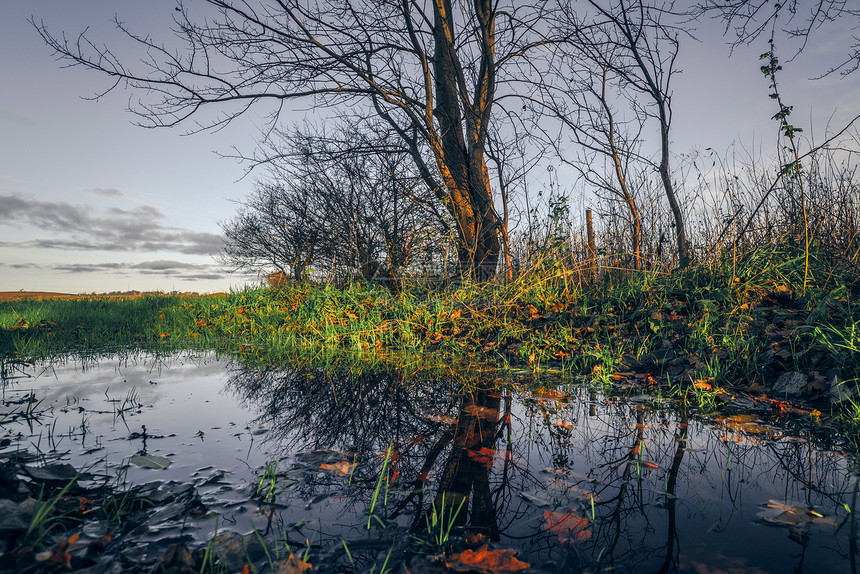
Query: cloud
(21,265)
(105,192)
(163,267)
(88,267)
(81,227)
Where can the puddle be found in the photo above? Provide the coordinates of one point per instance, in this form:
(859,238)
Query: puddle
(356,471)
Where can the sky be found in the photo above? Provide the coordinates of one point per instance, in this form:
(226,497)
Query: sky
(89,202)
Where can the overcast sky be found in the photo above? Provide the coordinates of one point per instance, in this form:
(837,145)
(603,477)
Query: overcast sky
(90,202)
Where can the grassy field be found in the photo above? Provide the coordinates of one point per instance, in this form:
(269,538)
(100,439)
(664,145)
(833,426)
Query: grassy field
(706,334)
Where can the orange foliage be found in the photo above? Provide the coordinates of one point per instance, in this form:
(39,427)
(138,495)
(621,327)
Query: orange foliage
(568,525)
(486,561)
(276,280)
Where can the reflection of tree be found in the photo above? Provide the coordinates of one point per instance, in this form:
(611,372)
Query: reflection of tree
(652,471)
(671,558)
(467,470)
(438,432)
(649,472)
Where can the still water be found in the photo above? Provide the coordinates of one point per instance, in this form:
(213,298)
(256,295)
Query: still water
(350,469)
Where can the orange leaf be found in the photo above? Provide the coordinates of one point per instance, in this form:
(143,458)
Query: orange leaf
(342,468)
(483,456)
(486,561)
(567,525)
(292,564)
(648,464)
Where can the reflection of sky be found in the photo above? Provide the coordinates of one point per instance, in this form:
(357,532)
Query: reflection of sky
(725,474)
(89,202)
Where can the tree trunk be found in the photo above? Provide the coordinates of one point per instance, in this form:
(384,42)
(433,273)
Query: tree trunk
(680,235)
(460,156)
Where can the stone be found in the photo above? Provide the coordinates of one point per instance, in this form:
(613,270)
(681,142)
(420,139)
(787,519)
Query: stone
(53,473)
(790,384)
(839,388)
(13,517)
(233,550)
(629,362)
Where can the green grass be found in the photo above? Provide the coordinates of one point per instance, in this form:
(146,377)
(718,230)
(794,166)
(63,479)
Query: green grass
(725,317)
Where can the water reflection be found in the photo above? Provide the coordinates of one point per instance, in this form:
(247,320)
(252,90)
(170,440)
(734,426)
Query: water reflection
(569,477)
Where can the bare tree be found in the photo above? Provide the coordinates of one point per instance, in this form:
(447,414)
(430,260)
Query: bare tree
(644,50)
(607,146)
(747,20)
(275,228)
(432,70)
(339,200)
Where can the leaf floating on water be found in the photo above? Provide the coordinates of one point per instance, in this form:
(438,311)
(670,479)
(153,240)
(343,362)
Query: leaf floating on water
(568,525)
(440,418)
(648,464)
(781,514)
(150,461)
(483,456)
(342,468)
(486,561)
(535,499)
(485,413)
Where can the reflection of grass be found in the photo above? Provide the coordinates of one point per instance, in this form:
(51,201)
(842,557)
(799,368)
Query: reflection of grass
(438,525)
(267,483)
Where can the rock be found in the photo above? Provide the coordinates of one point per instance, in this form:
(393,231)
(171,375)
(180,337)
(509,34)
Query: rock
(629,362)
(790,384)
(661,356)
(13,517)
(838,387)
(53,473)
(176,560)
(766,358)
(234,550)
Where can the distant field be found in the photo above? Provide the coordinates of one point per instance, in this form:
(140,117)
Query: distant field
(13,295)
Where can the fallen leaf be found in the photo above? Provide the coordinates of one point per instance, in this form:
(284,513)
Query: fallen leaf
(568,525)
(535,499)
(648,464)
(483,456)
(100,544)
(781,514)
(702,384)
(485,413)
(440,418)
(342,468)
(150,461)
(486,561)
(292,565)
